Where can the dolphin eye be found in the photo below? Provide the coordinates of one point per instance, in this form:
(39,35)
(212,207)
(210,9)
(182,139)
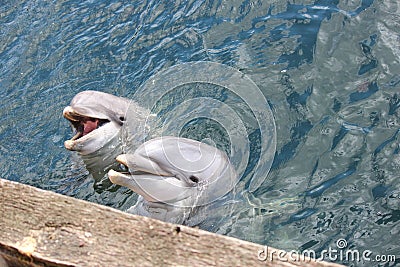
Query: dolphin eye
(122,118)
(194,179)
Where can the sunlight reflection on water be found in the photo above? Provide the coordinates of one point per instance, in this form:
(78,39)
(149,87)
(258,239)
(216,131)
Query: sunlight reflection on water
(329,69)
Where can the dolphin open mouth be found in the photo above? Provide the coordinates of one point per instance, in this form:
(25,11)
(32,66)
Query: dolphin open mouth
(82,124)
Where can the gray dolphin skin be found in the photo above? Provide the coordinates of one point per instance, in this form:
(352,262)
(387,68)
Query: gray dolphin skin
(175,177)
(105,125)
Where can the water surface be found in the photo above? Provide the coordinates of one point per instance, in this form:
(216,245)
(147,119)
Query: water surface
(329,69)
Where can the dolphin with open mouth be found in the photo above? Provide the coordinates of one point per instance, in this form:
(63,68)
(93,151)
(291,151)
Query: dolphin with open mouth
(104,126)
(175,178)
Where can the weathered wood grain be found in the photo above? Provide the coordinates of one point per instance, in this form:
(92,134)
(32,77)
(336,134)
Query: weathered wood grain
(42,228)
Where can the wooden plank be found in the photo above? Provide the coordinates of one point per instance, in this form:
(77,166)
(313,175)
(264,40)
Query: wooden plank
(42,228)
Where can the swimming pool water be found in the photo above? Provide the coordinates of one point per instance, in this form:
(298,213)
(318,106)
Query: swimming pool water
(328,68)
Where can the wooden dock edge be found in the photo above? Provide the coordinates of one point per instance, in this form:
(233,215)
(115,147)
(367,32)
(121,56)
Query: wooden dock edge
(42,228)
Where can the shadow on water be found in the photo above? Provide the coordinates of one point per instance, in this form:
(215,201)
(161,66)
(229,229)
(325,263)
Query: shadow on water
(329,69)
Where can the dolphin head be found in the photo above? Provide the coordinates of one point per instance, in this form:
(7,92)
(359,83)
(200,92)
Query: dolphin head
(96,117)
(176,171)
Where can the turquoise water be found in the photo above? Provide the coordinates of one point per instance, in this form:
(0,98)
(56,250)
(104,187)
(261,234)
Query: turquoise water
(329,69)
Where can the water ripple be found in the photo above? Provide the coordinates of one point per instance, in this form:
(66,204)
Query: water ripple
(329,69)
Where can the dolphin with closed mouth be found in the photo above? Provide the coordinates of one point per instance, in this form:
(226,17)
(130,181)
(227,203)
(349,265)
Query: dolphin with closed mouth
(104,126)
(175,178)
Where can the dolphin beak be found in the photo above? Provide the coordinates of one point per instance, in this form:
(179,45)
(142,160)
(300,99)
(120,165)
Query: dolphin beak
(153,188)
(68,114)
(118,177)
(122,159)
(69,144)
(152,185)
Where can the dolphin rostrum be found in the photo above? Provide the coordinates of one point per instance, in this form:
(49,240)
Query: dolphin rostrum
(175,177)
